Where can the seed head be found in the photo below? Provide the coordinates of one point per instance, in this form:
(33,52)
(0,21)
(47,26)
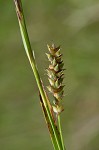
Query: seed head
(55,75)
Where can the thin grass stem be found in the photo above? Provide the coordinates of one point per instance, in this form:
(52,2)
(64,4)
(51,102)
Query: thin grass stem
(31,58)
(60,130)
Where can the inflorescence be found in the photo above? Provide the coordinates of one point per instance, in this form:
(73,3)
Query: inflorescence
(55,76)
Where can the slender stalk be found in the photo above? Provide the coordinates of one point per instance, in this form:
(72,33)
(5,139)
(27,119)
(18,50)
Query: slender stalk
(48,125)
(60,130)
(31,58)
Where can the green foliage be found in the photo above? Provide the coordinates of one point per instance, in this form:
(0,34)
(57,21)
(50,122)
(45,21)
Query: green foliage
(56,135)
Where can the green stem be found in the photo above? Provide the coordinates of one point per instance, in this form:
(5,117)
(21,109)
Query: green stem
(48,125)
(60,130)
(31,58)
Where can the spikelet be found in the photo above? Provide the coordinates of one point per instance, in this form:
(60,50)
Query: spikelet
(55,76)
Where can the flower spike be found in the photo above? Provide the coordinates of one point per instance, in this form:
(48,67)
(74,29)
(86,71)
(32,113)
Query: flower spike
(55,76)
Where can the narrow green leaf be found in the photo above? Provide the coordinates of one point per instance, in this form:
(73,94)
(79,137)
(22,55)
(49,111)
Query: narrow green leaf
(48,125)
(31,58)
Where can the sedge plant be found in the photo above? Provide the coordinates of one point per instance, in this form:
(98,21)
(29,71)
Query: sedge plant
(55,76)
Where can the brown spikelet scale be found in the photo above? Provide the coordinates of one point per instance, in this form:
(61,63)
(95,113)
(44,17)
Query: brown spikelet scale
(55,76)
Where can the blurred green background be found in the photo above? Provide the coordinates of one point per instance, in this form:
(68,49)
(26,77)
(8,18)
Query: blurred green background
(73,24)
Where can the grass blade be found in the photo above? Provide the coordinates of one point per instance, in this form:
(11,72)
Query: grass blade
(48,125)
(31,58)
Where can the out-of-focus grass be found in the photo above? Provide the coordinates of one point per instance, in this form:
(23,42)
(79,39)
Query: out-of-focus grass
(21,121)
